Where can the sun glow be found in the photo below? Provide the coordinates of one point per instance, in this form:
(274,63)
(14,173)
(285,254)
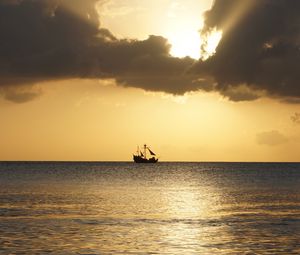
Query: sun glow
(182,29)
(189,43)
(185,43)
(180,21)
(210,44)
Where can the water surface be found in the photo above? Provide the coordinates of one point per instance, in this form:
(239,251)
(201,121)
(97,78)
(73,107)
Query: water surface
(164,208)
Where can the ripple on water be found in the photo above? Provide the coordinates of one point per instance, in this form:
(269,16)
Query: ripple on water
(174,208)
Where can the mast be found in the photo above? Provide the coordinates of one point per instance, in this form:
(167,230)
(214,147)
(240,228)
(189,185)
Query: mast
(145,150)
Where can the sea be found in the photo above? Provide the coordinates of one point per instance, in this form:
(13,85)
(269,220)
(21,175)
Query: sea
(164,208)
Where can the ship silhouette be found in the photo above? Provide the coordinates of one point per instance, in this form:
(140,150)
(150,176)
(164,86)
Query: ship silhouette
(141,156)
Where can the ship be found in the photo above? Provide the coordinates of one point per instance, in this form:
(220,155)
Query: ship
(141,156)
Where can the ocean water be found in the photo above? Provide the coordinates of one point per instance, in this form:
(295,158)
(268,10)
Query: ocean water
(164,208)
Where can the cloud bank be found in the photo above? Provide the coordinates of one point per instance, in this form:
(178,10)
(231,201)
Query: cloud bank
(59,39)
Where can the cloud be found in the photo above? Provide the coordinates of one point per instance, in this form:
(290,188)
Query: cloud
(271,138)
(20,93)
(260,47)
(240,93)
(61,39)
(296,118)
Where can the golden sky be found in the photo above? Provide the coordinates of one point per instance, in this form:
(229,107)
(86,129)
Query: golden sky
(100,121)
(84,118)
(178,21)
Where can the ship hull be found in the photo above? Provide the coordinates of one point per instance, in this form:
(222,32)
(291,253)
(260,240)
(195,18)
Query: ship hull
(138,159)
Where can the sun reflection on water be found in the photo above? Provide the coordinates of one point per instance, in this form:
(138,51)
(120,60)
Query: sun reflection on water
(167,209)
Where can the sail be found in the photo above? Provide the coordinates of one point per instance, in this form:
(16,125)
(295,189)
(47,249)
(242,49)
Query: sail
(151,152)
(142,155)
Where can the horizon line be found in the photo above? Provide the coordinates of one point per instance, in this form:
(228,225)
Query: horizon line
(128,161)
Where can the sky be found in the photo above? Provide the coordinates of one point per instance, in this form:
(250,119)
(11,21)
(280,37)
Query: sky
(195,80)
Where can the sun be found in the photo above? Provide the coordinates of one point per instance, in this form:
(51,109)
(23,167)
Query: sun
(179,21)
(185,43)
(181,28)
(189,43)
(183,31)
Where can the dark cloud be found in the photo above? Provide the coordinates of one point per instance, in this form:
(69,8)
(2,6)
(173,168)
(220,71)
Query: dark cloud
(240,93)
(60,39)
(20,94)
(260,46)
(44,40)
(271,138)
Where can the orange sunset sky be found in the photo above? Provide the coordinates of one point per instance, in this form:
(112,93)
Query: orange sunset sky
(86,82)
